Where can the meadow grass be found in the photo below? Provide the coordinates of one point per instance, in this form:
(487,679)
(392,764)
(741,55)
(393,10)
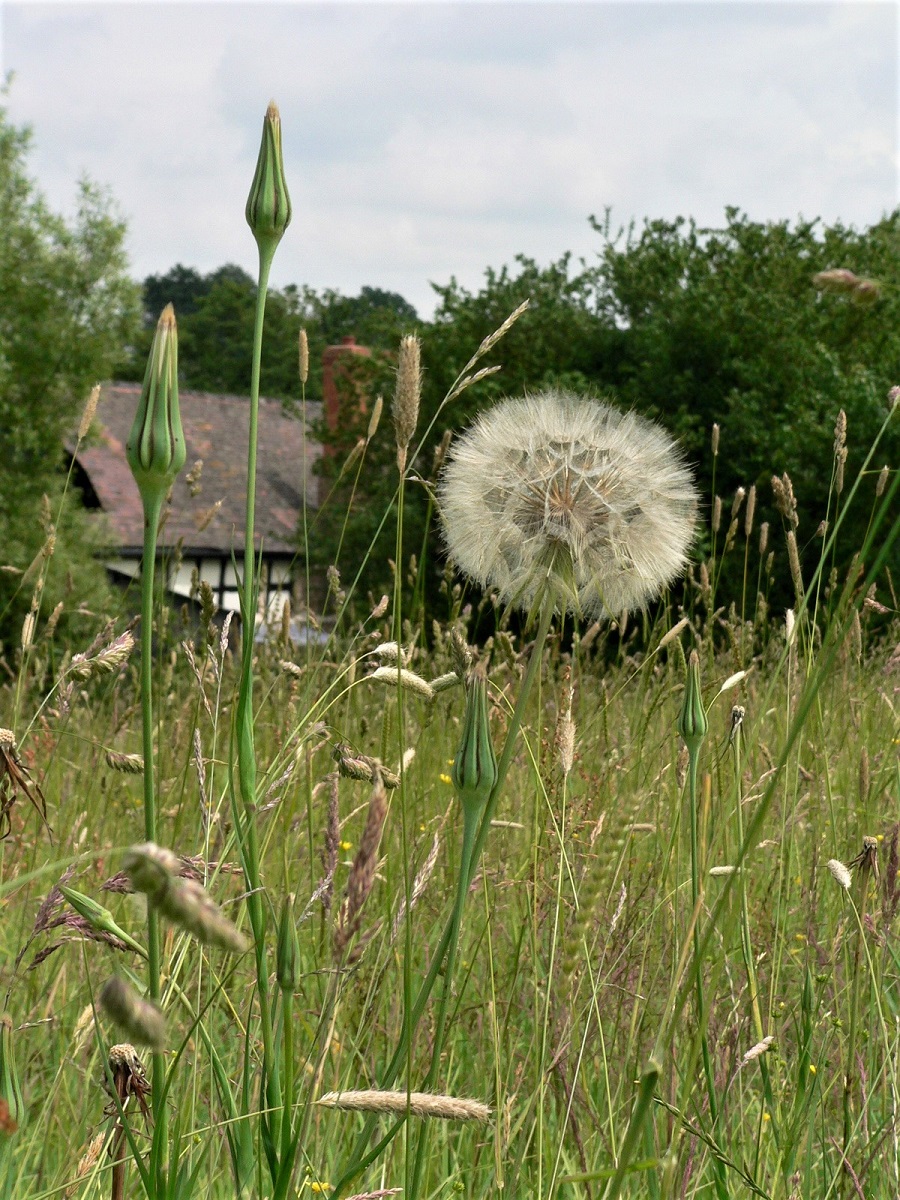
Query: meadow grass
(579,926)
(647,948)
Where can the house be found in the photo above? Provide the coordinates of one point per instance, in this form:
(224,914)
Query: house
(202,532)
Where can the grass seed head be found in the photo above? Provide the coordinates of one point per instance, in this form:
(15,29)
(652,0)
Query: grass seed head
(558,496)
(839,873)
(128,764)
(420,1104)
(90,411)
(138,1019)
(407,395)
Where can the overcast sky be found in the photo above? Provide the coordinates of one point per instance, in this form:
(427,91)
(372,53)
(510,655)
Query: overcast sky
(425,140)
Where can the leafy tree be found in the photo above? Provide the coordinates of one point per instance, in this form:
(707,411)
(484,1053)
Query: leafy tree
(215,325)
(67,307)
(726,326)
(185,288)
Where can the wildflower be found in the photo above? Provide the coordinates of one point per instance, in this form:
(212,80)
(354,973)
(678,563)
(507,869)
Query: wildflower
(554,494)
(14,778)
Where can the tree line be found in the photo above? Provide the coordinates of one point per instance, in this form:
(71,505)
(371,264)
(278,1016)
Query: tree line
(685,324)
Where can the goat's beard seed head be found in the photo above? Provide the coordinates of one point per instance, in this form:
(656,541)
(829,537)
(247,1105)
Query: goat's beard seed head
(560,493)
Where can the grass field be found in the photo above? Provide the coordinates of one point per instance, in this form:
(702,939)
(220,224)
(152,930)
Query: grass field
(577,964)
(588,910)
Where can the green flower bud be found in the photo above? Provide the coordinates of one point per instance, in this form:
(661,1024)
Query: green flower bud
(693,723)
(155,447)
(100,918)
(475,766)
(10,1091)
(288,950)
(269,205)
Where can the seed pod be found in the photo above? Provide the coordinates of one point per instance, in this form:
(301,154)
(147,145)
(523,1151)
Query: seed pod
(99,917)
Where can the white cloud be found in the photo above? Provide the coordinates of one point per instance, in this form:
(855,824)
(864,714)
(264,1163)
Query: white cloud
(424,140)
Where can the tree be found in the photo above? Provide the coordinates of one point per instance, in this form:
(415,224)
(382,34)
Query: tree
(725,325)
(67,309)
(215,322)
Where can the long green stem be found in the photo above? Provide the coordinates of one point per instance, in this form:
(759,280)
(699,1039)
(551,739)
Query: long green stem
(693,763)
(850,1062)
(152,509)
(246,750)
(471,821)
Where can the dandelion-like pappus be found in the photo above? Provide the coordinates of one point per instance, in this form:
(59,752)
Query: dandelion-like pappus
(556,494)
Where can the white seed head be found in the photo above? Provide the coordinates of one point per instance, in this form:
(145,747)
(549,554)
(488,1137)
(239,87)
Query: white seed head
(839,872)
(560,493)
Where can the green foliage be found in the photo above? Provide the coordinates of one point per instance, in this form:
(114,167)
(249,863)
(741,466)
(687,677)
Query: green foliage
(689,326)
(725,325)
(215,329)
(67,308)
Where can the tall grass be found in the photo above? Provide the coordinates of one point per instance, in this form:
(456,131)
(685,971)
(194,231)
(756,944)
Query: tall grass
(631,950)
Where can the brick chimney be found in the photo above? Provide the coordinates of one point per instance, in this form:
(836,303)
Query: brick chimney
(335,360)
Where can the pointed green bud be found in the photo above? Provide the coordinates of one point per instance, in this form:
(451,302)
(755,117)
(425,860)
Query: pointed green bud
(475,766)
(100,918)
(269,205)
(693,723)
(155,447)
(288,951)
(10,1091)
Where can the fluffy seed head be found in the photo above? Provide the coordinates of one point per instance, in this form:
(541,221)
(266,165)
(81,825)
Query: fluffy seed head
(560,494)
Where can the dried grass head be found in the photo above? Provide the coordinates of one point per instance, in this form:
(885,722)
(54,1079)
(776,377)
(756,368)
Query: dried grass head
(554,491)
(15,779)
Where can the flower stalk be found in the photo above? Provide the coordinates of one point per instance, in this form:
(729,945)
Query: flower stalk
(693,725)
(156,453)
(268,214)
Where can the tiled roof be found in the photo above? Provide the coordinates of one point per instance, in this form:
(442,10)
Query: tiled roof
(216,431)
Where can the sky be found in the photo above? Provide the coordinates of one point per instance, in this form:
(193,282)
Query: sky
(426,141)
